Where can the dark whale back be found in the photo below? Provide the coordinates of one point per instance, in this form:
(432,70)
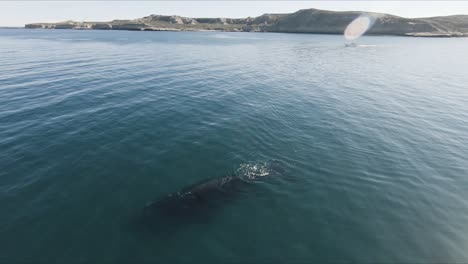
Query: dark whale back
(195,197)
(204,196)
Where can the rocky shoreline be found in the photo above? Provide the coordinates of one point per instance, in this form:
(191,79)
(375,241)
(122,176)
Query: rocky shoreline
(302,21)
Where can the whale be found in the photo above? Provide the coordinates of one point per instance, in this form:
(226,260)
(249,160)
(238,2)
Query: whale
(200,199)
(194,198)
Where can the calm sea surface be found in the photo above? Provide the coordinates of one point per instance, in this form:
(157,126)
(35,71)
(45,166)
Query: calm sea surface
(373,140)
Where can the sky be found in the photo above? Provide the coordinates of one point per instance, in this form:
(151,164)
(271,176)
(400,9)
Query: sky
(18,13)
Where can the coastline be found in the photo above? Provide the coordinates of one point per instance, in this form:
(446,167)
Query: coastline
(310,21)
(414,35)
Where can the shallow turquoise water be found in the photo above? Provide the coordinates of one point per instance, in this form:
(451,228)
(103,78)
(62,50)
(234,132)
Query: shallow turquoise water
(94,124)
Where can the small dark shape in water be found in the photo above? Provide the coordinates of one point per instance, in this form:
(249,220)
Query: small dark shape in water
(198,201)
(351,45)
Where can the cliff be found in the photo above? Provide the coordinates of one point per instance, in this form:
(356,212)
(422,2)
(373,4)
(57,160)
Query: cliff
(302,21)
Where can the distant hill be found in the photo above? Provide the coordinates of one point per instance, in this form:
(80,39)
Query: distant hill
(303,21)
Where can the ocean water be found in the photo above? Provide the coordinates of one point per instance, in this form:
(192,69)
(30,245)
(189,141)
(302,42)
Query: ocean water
(373,141)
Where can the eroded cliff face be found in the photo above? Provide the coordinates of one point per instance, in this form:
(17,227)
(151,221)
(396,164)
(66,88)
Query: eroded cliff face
(302,21)
(315,21)
(320,21)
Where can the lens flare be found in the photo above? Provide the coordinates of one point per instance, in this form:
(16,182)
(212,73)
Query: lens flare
(358,27)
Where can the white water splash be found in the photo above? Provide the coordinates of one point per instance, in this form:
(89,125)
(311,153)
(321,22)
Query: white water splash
(253,170)
(358,27)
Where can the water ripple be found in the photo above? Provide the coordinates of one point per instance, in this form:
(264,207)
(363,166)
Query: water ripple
(372,140)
